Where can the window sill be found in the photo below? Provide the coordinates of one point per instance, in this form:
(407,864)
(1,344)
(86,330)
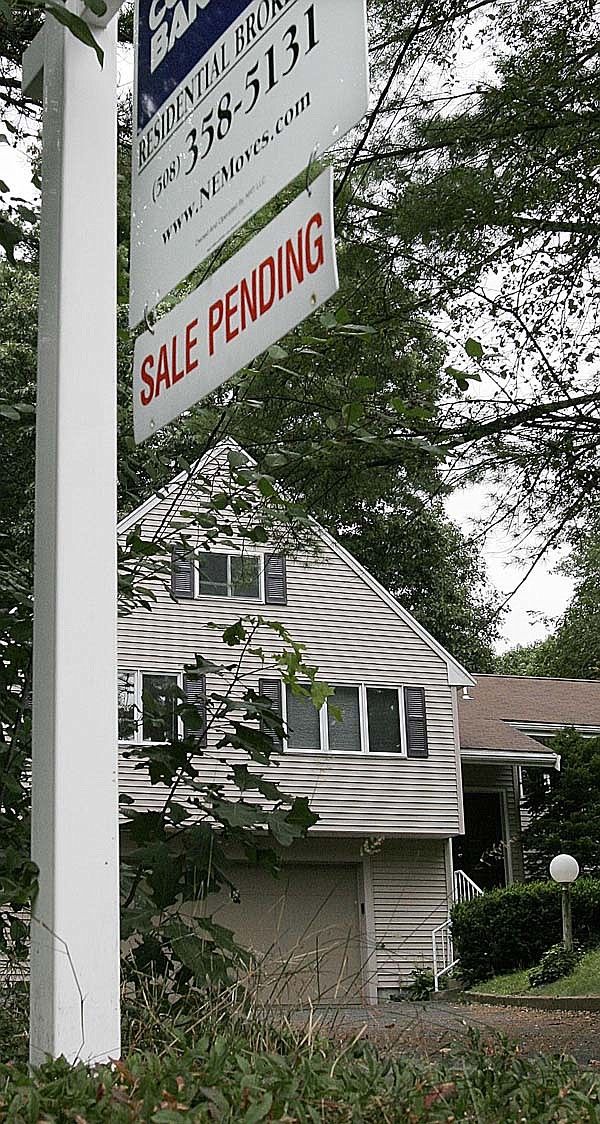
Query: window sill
(345,753)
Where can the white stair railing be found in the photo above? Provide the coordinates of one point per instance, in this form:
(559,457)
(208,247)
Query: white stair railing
(464,890)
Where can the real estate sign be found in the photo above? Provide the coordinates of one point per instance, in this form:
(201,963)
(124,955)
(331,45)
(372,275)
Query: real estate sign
(273,283)
(232,99)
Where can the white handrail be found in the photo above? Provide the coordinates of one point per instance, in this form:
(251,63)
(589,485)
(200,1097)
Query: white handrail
(465,889)
(446,961)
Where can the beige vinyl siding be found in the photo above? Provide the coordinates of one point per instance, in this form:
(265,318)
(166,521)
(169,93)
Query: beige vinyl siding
(410,899)
(352,635)
(501,776)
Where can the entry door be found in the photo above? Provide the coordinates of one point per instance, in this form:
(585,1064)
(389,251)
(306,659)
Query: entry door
(480,851)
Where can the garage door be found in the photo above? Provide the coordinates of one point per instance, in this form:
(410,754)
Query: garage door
(304,928)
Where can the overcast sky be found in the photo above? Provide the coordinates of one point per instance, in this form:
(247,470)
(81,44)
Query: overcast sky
(545,594)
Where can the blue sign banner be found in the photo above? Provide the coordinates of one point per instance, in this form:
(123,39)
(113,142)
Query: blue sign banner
(173,35)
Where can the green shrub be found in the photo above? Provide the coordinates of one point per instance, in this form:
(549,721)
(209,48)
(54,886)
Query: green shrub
(557,962)
(511,928)
(423,984)
(225,1075)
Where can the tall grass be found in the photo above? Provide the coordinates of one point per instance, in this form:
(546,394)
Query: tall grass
(223,1057)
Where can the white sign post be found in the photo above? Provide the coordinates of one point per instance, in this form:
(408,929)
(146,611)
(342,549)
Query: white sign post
(273,283)
(75,924)
(232,98)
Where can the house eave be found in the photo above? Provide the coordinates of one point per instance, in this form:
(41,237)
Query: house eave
(550,729)
(511,757)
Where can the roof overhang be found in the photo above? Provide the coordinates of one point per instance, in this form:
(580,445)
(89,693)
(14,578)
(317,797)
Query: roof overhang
(550,729)
(543,760)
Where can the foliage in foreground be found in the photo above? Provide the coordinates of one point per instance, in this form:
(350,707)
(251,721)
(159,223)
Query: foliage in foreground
(513,927)
(294,1076)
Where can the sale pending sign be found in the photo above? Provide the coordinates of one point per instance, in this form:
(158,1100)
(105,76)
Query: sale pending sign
(232,99)
(273,283)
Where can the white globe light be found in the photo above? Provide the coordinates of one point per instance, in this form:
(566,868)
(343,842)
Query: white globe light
(564,869)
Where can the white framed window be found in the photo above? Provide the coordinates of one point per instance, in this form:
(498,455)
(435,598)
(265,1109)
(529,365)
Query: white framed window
(230,575)
(375,719)
(253,576)
(142,694)
(149,702)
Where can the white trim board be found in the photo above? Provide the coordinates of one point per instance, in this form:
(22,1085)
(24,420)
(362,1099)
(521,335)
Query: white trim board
(549,729)
(512,757)
(458,676)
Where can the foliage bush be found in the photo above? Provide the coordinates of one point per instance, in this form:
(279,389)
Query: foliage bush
(511,928)
(557,962)
(229,1071)
(423,984)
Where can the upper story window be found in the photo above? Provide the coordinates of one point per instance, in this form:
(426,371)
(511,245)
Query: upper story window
(374,719)
(149,703)
(255,577)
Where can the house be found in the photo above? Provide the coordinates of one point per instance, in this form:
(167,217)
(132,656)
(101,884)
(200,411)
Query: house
(361,897)
(502,717)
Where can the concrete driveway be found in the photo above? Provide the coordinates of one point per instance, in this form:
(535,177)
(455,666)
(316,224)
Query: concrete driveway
(433,1028)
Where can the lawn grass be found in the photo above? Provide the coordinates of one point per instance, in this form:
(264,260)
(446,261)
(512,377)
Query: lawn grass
(585,980)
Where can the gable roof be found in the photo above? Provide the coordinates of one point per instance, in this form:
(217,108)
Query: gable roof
(457,674)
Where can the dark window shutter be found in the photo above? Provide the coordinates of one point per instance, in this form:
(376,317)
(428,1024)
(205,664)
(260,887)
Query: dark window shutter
(271,689)
(416,722)
(182,572)
(194,689)
(275,580)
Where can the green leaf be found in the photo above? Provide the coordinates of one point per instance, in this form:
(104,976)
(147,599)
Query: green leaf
(282,831)
(215,1096)
(474,349)
(98,7)
(301,814)
(177,813)
(8,411)
(462,378)
(255,534)
(352,412)
(237,459)
(235,634)
(268,789)
(77,27)
(259,1111)
(265,487)
(277,352)
(3,186)
(238,814)
(10,236)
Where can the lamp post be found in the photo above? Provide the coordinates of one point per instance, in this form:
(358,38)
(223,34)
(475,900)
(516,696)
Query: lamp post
(564,870)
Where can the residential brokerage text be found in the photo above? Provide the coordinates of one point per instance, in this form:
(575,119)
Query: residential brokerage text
(270,91)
